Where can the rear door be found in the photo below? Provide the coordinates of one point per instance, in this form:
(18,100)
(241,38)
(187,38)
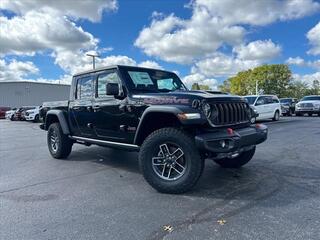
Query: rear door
(80,109)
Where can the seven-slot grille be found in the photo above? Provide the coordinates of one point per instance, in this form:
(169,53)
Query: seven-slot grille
(229,113)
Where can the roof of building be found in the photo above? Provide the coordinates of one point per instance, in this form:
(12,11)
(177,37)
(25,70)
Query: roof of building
(35,82)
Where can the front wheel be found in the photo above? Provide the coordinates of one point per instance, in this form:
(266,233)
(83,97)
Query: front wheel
(36,119)
(58,143)
(169,161)
(236,162)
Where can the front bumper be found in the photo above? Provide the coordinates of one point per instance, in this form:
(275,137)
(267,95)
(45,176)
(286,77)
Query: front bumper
(228,140)
(307,110)
(30,117)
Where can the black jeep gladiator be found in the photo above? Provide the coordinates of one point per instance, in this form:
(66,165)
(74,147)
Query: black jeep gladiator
(151,111)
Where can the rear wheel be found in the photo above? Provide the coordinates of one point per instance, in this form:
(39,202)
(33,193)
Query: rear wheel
(12,118)
(238,161)
(276,116)
(58,143)
(169,161)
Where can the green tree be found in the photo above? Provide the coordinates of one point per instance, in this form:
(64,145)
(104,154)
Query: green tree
(271,79)
(195,86)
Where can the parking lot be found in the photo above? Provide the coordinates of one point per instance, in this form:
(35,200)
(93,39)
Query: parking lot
(98,193)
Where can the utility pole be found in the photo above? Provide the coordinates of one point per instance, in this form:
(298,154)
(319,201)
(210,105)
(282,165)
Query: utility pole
(93,59)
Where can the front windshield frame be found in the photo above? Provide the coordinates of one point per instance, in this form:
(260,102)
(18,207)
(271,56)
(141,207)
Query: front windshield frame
(155,75)
(311,98)
(251,99)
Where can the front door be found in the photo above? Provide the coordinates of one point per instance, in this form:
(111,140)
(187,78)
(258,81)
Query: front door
(81,113)
(261,107)
(112,121)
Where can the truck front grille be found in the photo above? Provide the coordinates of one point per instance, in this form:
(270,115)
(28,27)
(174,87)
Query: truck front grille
(229,113)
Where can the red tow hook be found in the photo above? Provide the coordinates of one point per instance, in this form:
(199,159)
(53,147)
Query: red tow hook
(230,131)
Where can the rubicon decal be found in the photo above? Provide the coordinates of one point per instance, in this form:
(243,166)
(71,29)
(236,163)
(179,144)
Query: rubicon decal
(167,100)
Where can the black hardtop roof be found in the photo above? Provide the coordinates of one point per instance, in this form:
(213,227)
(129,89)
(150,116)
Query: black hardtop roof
(113,67)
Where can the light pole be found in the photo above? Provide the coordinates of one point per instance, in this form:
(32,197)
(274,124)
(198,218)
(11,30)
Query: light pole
(93,59)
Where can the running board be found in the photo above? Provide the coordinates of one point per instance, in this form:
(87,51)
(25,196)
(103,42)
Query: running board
(126,146)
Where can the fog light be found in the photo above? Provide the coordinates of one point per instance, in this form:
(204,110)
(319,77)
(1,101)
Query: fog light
(223,143)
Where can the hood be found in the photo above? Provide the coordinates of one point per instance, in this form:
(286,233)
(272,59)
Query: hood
(183,97)
(310,101)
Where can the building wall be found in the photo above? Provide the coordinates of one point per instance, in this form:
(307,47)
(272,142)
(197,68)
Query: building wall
(17,94)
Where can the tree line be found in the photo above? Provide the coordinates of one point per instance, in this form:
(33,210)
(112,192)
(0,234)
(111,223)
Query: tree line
(267,79)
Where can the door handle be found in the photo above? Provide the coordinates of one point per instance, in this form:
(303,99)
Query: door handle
(76,108)
(96,108)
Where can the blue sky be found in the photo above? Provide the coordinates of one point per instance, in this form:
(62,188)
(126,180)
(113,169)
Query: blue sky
(205,41)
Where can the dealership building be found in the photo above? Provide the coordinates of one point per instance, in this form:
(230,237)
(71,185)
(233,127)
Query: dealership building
(24,93)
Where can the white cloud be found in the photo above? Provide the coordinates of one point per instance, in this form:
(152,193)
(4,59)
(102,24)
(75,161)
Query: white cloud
(222,65)
(150,64)
(260,12)
(176,40)
(301,62)
(200,79)
(314,38)
(215,23)
(86,9)
(16,70)
(38,31)
(307,78)
(295,61)
(258,50)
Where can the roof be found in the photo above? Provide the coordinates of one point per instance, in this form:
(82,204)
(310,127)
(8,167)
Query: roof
(35,82)
(112,67)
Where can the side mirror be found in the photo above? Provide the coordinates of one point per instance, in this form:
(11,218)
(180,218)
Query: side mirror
(112,89)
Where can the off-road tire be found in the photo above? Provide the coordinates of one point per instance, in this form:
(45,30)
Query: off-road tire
(236,162)
(194,163)
(63,145)
(276,116)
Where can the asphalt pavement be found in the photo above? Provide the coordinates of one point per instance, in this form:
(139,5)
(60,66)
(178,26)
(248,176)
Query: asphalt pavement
(99,193)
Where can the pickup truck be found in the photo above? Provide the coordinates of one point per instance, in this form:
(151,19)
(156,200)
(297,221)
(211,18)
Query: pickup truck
(152,112)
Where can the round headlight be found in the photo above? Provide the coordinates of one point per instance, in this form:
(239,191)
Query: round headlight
(206,109)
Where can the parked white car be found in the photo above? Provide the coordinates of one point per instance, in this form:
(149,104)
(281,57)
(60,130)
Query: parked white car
(308,105)
(267,106)
(32,114)
(10,114)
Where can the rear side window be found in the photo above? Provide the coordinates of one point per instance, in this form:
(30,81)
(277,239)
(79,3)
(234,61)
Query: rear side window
(103,79)
(84,88)
(275,100)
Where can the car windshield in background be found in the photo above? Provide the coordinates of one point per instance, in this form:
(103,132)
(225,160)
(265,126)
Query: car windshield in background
(251,100)
(285,100)
(311,98)
(152,80)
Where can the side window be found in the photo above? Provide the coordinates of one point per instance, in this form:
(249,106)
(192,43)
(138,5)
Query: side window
(261,101)
(84,88)
(103,79)
(275,100)
(269,100)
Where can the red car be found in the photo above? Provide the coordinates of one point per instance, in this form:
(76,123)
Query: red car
(3,111)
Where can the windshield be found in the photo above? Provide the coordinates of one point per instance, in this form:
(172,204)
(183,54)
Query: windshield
(141,79)
(285,100)
(311,98)
(251,100)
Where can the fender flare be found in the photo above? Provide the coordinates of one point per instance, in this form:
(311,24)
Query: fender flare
(62,120)
(174,110)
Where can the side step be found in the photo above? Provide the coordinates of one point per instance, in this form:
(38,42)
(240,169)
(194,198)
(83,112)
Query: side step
(127,146)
